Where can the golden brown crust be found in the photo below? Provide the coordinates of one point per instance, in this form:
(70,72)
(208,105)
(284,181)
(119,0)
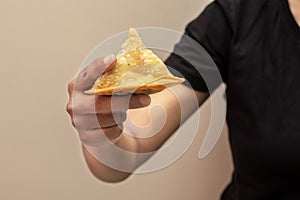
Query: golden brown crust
(138,70)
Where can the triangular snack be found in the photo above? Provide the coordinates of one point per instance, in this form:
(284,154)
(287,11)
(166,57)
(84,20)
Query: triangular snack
(138,70)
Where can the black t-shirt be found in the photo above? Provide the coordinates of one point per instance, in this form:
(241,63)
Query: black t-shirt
(256,47)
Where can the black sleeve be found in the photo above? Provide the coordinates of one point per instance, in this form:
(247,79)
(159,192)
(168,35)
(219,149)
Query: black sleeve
(203,50)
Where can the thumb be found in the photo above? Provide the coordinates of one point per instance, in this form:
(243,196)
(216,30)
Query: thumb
(85,80)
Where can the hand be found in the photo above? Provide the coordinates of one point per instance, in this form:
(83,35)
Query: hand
(97,117)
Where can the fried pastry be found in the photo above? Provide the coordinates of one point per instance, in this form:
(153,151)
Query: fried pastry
(138,70)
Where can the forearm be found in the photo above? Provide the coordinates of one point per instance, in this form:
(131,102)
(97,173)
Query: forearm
(178,107)
(147,139)
(127,143)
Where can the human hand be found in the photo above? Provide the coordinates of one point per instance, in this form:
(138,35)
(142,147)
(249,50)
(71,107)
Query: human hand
(99,118)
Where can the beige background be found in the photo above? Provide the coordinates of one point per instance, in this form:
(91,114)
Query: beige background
(42,45)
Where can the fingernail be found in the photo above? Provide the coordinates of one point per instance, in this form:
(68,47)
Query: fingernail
(145,100)
(109,59)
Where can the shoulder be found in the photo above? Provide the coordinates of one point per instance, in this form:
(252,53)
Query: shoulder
(235,6)
(241,12)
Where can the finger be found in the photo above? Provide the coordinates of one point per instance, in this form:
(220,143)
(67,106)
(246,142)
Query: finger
(85,80)
(100,136)
(111,119)
(107,104)
(69,103)
(98,120)
(139,101)
(89,104)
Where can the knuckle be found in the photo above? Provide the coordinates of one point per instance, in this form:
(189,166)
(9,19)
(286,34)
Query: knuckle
(71,86)
(69,108)
(74,113)
(85,74)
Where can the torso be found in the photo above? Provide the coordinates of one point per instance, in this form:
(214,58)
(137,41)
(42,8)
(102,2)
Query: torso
(263,96)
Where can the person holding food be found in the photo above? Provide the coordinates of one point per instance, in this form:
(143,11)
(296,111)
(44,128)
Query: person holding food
(256,46)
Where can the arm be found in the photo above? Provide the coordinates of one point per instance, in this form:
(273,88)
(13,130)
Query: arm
(214,37)
(139,145)
(83,110)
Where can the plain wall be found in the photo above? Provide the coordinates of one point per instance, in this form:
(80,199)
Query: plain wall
(42,45)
